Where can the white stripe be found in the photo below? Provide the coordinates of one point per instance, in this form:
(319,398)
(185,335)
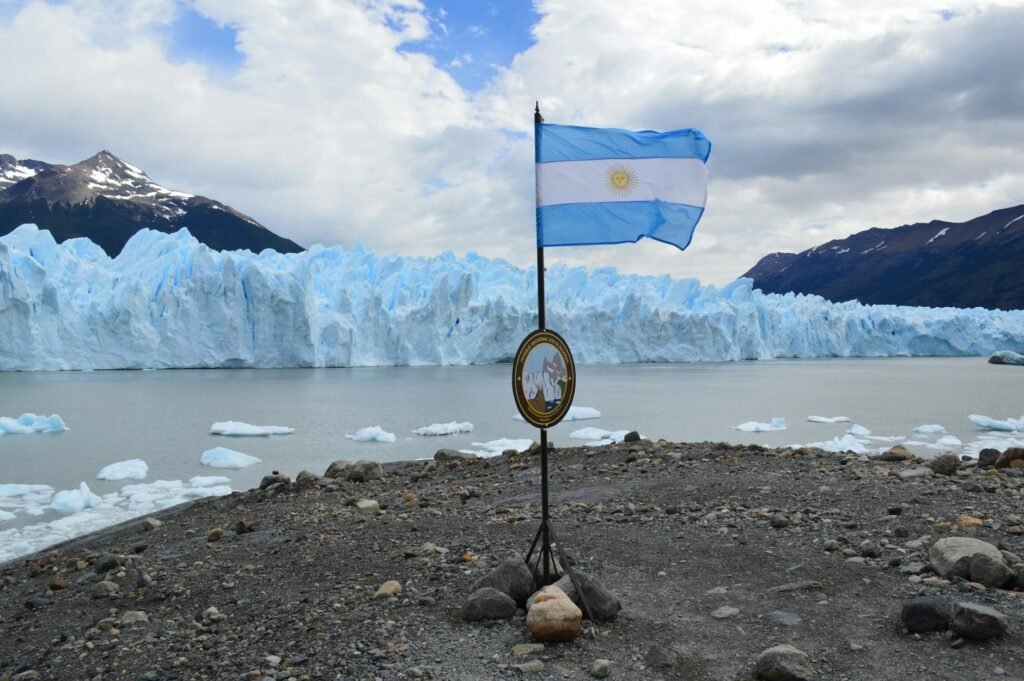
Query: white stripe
(676,180)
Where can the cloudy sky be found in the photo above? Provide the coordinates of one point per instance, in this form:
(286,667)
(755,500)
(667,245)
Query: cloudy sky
(407,125)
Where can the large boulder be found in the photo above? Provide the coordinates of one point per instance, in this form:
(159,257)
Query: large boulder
(1011,458)
(926,613)
(488,604)
(603,604)
(453,455)
(337,469)
(947,464)
(553,616)
(364,470)
(951,556)
(985,569)
(512,577)
(977,622)
(783,663)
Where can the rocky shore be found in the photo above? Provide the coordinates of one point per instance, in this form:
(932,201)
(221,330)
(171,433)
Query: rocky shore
(729,562)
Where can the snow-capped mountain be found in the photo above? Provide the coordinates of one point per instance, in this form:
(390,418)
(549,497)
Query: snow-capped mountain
(108,200)
(936,264)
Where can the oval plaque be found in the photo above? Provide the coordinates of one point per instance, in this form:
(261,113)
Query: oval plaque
(543,378)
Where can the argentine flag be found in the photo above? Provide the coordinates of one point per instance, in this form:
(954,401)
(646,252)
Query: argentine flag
(612,186)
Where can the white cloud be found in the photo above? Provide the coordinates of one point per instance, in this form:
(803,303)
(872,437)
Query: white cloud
(826,117)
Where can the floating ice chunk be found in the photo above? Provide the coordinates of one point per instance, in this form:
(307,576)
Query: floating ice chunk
(450,428)
(838,445)
(132,469)
(72,500)
(240,429)
(756,427)
(597,437)
(1006,357)
(30,423)
(496,447)
(575,414)
(945,442)
(992,441)
(1009,425)
(858,430)
(930,429)
(208,480)
(222,457)
(828,419)
(371,434)
(6,515)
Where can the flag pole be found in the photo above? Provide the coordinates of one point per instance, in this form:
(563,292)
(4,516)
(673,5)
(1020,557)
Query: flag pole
(546,558)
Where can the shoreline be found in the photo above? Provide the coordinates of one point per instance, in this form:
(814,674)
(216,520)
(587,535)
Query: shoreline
(678,531)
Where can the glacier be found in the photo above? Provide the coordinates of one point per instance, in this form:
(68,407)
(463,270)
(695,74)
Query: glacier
(168,301)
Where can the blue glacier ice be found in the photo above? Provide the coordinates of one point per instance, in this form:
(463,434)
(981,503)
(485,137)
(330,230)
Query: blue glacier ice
(169,301)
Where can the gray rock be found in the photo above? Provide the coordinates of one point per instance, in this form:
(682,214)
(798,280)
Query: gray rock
(604,605)
(913,473)
(977,622)
(783,618)
(991,572)
(913,568)
(29,675)
(306,479)
(105,590)
(134,617)
(364,471)
(660,657)
(370,506)
(946,464)
(601,668)
(926,613)
(725,612)
(783,663)
(37,602)
(870,549)
(337,469)
(532,666)
(150,524)
(971,486)
(105,563)
(951,556)
(512,577)
(274,478)
(488,604)
(452,455)
(988,457)
(631,436)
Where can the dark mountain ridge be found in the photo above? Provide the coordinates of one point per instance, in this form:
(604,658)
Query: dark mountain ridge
(978,263)
(108,200)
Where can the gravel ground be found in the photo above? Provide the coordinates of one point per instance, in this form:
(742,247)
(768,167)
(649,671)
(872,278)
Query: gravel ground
(716,553)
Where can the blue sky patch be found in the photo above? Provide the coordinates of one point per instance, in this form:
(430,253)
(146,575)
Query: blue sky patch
(194,37)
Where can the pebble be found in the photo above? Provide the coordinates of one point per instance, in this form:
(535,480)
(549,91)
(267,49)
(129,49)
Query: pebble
(529,667)
(725,612)
(528,649)
(783,618)
(216,534)
(134,617)
(488,603)
(105,563)
(149,524)
(388,589)
(601,668)
(368,506)
(783,663)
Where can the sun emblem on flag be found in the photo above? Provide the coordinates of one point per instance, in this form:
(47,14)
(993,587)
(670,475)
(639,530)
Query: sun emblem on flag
(621,179)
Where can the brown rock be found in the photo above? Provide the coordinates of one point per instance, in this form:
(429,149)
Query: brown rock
(969,521)
(243,526)
(1010,457)
(897,453)
(553,616)
(389,588)
(216,534)
(947,464)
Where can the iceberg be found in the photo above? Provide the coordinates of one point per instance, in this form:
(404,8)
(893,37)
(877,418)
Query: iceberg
(828,419)
(496,447)
(168,301)
(858,430)
(30,423)
(450,428)
(596,436)
(1008,425)
(371,434)
(838,445)
(132,469)
(756,427)
(930,429)
(222,457)
(574,414)
(71,500)
(240,429)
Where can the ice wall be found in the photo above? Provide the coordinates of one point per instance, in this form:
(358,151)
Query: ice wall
(169,301)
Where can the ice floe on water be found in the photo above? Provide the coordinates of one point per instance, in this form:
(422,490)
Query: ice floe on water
(240,429)
(597,437)
(371,434)
(858,430)
(132,469)
(496,447)
(575,414)
(88,512)
(930,429)
(27,424)
(757,427)
(1008,425)
(838,445)
(828,419)
(946,442)
(222,457)
(450,428)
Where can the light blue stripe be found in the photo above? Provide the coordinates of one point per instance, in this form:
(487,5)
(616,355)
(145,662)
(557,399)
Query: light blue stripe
(582,224)
(574,143)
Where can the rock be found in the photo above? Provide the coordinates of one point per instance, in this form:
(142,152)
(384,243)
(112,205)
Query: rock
(725,612)
(779,521)
(951,556)
(553,616)
(977,622)
(783,618)
(870,549)
(37,603)
(914,568)
(914,473)
(105,590)
(926,613)
(660,657)
(896,453)
(512,577)
(212,614)
(991,572)
(488,603)
(306,479)
(243,526)
(368,506)
(987,457)
(150,524)
(216,534)
(274,478)
(830,545)
(601,668)
(968,521)
(452,455)
(604,605)
(364,471)
(946,464)
(134,617)
(388,589)
(1009,458)
(529,667)
(105,563)
(528,649)
(337,469)
(28,675)
(783,663)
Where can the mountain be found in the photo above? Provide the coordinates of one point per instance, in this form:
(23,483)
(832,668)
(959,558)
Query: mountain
(107,200)
(936,264)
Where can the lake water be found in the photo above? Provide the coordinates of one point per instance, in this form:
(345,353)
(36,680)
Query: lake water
(164,417)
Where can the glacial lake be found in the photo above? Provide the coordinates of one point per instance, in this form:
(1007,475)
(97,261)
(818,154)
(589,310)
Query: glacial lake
(164,417)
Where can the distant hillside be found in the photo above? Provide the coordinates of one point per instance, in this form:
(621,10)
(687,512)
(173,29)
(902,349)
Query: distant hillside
(107,200)
(978,263)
